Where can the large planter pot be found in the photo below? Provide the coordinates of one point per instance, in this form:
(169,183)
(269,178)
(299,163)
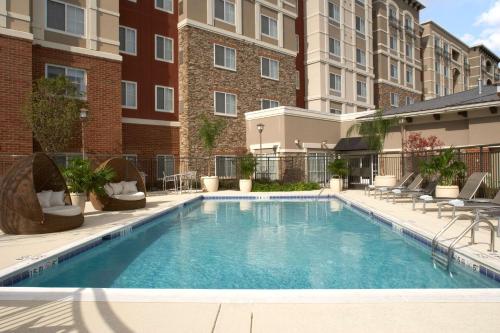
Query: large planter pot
(211,183)
(79,199)
(245,185)
(336,185)
(447,191)
(385,181)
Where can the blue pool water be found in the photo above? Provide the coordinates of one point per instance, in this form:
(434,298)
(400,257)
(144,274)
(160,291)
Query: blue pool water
(258,245)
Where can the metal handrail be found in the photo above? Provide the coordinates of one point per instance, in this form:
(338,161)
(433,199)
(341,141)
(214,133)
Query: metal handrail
(435,242)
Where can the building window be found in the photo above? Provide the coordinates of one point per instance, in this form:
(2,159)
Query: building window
(269,68)
(393,14)
(164,48)
(437,67)
(438,89)
(334,12)
(360,25)
(225,166)
(409,75)
(66,18)
(297,80)
(361,89)
(360,2)
(360,57)
(408,23)
(409,50)
(225,104)
(268,104)
(394,100)
(334,46)
(335,82)
(334,110)
(394,71)
(128,40)
(437,42)
(445,91)
(131,158)
(224,57)
(164,99)
(268,26)
(446,71)
(393,41)
(165,166)
(129,95)
(224,11)
(75,75)
(165,5)
(409,100)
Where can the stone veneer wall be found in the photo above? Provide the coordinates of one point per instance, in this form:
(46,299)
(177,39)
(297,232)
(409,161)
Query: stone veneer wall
(198,79)
(382,95)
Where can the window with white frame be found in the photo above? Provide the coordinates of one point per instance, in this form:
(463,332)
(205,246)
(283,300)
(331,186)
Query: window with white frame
(446,71)
(268,104)
(224,104)
(165,166)
(165,5)
(164,48)
(361,89)
(438,89)
(360,57)
(394,71)
(129,94)
(334,12)
(334,47)
(409,75)
(225,166)
(409,100)
(164,99)
(409,50)
(128,40)
(437,67)
(335,82)
(131,158)
(224,57)
(335,110)
(75,75)
(269,68)
(408,22)
(394,100)
(360,25)
(64,17)
(224,11)
(393,13)
(268,26)
(393,41)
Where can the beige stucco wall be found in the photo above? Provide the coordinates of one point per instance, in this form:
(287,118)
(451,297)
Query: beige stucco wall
(19,18)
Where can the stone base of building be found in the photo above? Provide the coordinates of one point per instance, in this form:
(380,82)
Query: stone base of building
(15,87)
(382,95)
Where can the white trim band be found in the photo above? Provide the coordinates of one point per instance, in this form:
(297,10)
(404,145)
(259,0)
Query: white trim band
(152,122)
(311,114)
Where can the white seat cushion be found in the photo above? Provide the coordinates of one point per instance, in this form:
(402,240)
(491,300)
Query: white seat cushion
(129,187)
(63,210)
(130,196)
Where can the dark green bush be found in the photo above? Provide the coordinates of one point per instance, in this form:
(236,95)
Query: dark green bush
(259,186)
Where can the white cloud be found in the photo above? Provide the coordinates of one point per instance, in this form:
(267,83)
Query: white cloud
(491,17)
(489,24)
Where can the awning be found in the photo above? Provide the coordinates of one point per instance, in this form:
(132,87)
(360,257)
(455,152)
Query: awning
(350,144)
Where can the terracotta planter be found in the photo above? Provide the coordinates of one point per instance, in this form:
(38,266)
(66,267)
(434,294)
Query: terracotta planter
(211,183)
(79,199)
(245,185)
(447,191)
(385,181)
(336,185)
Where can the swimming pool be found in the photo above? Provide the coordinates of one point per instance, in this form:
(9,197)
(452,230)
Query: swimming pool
(262,244)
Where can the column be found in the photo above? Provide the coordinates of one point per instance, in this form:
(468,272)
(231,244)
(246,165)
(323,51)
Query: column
(3,13)
(92,24)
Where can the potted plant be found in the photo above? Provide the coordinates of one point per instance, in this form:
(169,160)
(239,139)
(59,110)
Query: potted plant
(374,132)
(448,168)
(209,132)
(81,179)
(247,168)
(338,170)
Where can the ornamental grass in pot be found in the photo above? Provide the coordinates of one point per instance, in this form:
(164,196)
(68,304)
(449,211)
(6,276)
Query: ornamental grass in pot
(209,132)
(338,170)
(81,180)
(448,168)
(247,168)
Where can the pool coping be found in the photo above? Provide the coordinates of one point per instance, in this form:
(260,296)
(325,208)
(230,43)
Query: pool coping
(15,273)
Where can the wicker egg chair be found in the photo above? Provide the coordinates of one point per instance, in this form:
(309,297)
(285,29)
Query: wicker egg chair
(124,171)
(20,210)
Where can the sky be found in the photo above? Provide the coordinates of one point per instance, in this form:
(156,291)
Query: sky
(473,21)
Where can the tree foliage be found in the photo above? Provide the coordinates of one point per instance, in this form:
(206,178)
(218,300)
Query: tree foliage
(52,112)
(374,131)
(247,166)
(338,168)
(209,132)
(447,166)
(80,177)
(417,144)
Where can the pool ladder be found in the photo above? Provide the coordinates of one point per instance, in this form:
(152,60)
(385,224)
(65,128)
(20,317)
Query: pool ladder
(443,258)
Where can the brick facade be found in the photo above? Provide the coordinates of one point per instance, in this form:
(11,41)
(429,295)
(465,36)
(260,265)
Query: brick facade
(198,79)
(147,141)
(103,131)
(382,95)
(15,86)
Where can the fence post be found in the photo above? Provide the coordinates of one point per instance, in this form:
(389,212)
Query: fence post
(481,159)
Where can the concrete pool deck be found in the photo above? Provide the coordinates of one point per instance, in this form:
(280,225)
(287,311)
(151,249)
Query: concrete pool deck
(400,314)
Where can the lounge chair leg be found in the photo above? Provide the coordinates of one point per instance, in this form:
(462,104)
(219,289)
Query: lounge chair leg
(439,211)
(424,208)
(414,203)
(394,198)
(454,211)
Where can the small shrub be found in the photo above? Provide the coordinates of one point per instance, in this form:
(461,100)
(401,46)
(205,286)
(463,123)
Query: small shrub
(278,187)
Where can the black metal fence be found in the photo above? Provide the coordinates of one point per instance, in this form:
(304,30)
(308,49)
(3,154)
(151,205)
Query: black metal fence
(310,167)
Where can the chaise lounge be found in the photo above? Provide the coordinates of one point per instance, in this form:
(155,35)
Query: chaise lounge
(34,199)
(127,190)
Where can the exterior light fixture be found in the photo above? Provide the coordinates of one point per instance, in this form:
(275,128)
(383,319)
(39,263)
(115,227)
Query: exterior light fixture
(83,117)
(260,129)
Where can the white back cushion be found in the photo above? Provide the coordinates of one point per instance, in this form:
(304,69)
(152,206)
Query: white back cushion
(129,187)
(117,188)
(44,198)
(109,190)
(57,199)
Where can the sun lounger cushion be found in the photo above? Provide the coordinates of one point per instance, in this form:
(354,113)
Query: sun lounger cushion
(396,191)
(129,187)
(44,198)
(456,203)
(130,196)
(63,210)
(426,197)
(109,190)
(57,198)
(117,188)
